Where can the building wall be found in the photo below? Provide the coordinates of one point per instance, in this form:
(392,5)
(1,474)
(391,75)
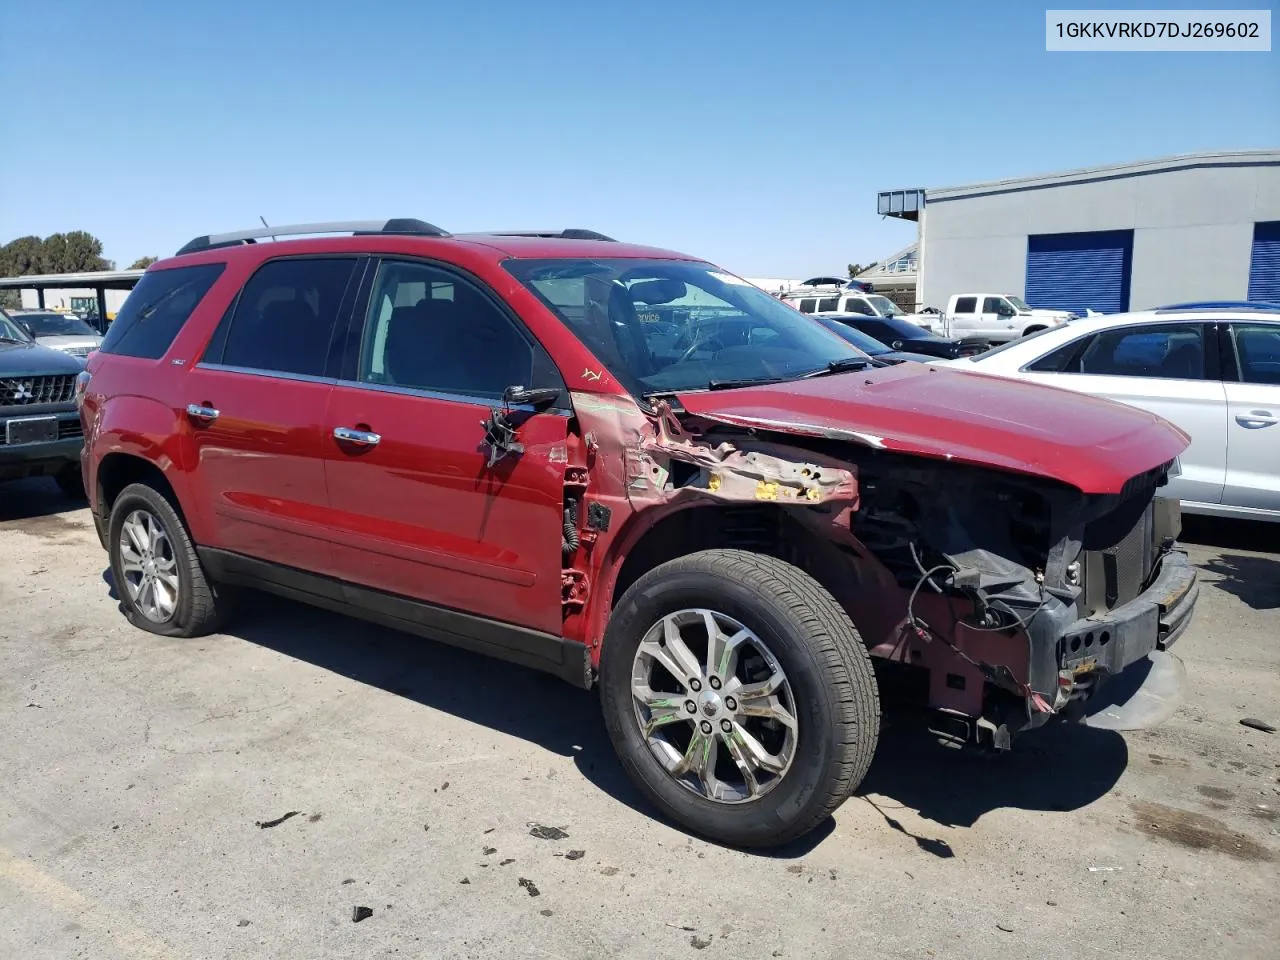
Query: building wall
(1193,229)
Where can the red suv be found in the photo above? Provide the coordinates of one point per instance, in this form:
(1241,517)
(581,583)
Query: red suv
(628,467)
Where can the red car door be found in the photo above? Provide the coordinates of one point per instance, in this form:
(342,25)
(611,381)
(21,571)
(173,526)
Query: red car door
(418,509)
(255,406)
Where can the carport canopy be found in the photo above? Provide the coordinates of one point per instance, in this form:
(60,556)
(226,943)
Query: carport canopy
(99,281)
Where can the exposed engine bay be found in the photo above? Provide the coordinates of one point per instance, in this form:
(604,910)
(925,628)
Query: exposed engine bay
(1003,597)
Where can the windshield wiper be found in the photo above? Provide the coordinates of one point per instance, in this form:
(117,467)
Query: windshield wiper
(842,366)
(734,384)
(4,339)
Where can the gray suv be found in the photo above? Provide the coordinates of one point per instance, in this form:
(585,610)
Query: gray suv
(40,433)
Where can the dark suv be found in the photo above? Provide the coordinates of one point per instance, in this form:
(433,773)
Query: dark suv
(39,426)
(628,467)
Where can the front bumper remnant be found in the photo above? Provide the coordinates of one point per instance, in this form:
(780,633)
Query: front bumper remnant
(1108,643)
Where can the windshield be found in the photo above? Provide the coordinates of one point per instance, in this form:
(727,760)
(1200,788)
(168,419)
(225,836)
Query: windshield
(862,341)
(1018,302)
(10,330)
(885,307)
(664,326)
(57,325)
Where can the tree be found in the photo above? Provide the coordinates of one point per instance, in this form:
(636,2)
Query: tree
(20,257)
(74,252)
(142,263)
(857,268)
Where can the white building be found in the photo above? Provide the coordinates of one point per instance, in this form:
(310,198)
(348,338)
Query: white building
(1122,237)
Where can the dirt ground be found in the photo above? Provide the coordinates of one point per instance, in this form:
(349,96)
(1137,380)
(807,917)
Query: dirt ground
(240,796)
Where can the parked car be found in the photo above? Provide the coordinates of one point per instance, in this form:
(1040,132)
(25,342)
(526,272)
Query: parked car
(469,436)
(1213,369)
(62,331)
(897,333)
(852,296)
(40,431)
(837,323)
(997,317)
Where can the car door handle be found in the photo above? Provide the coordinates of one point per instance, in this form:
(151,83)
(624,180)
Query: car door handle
(1257,419)
(202,412)
(361,438)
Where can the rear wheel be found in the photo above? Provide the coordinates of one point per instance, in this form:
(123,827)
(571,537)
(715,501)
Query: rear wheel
(158,576)
(739,696)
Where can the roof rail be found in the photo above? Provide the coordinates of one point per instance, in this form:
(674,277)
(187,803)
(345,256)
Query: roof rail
(570,233)
(1220,305)
(403,226)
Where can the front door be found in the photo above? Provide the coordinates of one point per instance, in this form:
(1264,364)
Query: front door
(1253,419)
(254,406)
(418,507)
(1164,368)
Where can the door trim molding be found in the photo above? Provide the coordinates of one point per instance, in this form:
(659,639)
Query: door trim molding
(566,659)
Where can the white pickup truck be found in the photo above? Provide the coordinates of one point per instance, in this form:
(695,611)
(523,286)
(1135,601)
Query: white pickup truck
(996,317)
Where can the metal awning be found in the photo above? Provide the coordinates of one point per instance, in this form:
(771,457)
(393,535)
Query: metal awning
(99,281)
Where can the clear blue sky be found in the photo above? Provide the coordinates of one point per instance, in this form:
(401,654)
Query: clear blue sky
(753,134)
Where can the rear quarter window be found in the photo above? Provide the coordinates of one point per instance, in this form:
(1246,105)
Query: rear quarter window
(157,308)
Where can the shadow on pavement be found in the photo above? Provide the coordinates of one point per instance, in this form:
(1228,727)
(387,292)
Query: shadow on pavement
(1254,535)
(33,499)
(1060,768)
(1255,580)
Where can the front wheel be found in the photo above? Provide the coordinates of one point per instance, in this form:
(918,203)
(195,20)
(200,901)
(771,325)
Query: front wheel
(739,696)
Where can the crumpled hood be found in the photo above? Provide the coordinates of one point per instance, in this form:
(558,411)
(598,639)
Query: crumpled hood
(1092,444)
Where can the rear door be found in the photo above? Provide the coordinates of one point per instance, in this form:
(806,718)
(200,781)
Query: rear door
(963,319)
(1170,369)
(255,406)
(418,506)
(1253,415)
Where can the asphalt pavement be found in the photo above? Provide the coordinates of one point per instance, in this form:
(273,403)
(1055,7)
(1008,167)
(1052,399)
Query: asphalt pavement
(308,786)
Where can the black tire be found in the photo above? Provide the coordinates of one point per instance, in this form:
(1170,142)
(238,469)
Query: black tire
(202,605)
(811,636)
(70,481)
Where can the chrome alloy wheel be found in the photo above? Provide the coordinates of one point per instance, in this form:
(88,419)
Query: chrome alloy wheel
(714,706)
(149,566)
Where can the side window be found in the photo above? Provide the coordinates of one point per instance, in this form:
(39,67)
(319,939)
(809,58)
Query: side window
(1172,352)
(858,305)
(807,305)
(1063,360)
(991,304)
(283,319)
(1258,352)
(965,304)
(156,310)
(828,304)
(428,329)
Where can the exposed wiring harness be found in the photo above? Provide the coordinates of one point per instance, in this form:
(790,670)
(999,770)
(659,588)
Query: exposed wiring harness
(998,674)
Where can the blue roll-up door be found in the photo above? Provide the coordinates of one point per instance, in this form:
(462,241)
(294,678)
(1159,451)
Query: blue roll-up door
(1264,265)
(1079,271)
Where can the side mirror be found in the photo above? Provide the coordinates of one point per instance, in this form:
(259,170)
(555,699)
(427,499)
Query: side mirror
(538,397)
(1007,311)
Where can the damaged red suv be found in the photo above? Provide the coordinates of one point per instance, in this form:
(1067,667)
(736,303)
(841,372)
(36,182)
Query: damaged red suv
(629,468)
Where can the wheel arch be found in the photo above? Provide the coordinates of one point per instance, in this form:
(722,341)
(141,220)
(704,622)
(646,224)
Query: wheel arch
(766,529)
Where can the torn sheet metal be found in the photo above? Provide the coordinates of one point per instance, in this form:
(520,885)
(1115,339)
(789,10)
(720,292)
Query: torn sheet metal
(734,472)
